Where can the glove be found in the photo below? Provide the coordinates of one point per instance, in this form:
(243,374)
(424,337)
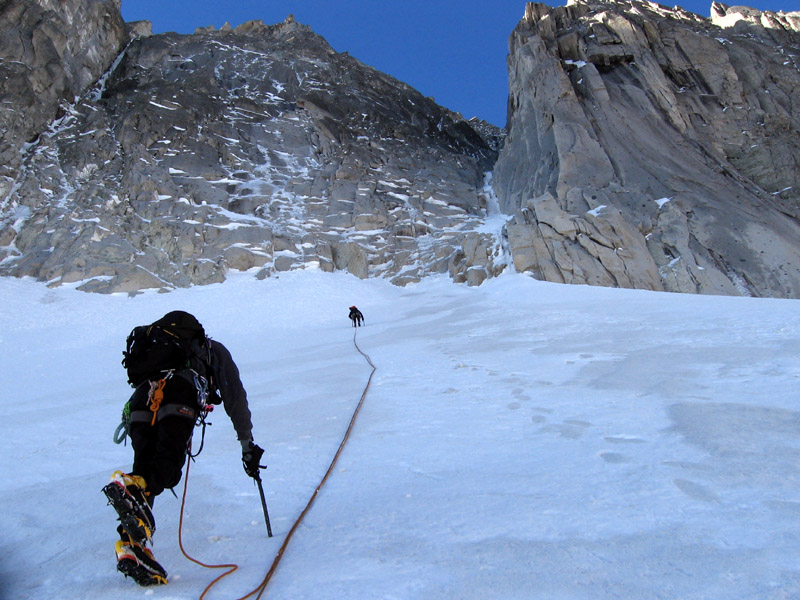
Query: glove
(251,456)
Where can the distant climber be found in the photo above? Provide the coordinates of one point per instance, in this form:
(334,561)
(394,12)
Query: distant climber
(356,317)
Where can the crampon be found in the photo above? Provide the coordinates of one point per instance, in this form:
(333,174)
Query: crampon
(126,494)
(137,562)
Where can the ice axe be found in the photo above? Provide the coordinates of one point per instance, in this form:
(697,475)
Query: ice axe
(263,503)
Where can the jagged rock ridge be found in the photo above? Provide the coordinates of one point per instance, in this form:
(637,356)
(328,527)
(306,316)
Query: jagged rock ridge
(647,147)
(255,147)
(652,148)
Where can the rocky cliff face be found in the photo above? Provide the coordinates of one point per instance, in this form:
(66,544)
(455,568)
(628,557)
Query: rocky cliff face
(257,147)
(651,148)
(50,52)
(647,147)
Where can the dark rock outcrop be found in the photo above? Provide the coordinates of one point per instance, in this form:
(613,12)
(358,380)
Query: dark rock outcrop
(50,52)
(255,147)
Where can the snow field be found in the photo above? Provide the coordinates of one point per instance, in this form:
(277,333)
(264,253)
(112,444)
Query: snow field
(519,440)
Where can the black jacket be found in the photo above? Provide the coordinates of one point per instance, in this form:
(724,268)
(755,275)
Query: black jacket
(229,386)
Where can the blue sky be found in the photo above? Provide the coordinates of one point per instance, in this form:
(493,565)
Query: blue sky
(453,50)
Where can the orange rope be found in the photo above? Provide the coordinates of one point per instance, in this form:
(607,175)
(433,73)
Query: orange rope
(261,588)
(282,549)
(156,396)
(231,567)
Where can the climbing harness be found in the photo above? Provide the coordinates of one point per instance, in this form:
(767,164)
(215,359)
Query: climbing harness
(156,411)
(261,588)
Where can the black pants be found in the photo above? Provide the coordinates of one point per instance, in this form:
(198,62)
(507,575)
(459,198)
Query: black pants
(160,449)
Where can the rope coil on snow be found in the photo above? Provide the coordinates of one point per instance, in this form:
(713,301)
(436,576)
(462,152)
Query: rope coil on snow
(232,567)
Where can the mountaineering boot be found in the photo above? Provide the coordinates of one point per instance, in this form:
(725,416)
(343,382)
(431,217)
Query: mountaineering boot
(137,562)
(126,493)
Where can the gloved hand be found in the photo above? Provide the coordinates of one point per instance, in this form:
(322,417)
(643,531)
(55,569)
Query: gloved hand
(251,456)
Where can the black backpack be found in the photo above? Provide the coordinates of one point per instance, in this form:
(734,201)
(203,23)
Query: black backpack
(177,341)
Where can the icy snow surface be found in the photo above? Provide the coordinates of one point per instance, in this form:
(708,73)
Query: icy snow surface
(520,440)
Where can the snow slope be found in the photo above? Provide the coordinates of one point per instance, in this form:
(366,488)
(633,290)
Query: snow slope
(520,440)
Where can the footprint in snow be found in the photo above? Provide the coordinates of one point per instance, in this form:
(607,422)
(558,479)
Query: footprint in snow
(613,457)
(624,439)
(695,490)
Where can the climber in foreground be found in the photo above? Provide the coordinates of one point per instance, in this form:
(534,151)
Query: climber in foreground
(177,372)
(356,317)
